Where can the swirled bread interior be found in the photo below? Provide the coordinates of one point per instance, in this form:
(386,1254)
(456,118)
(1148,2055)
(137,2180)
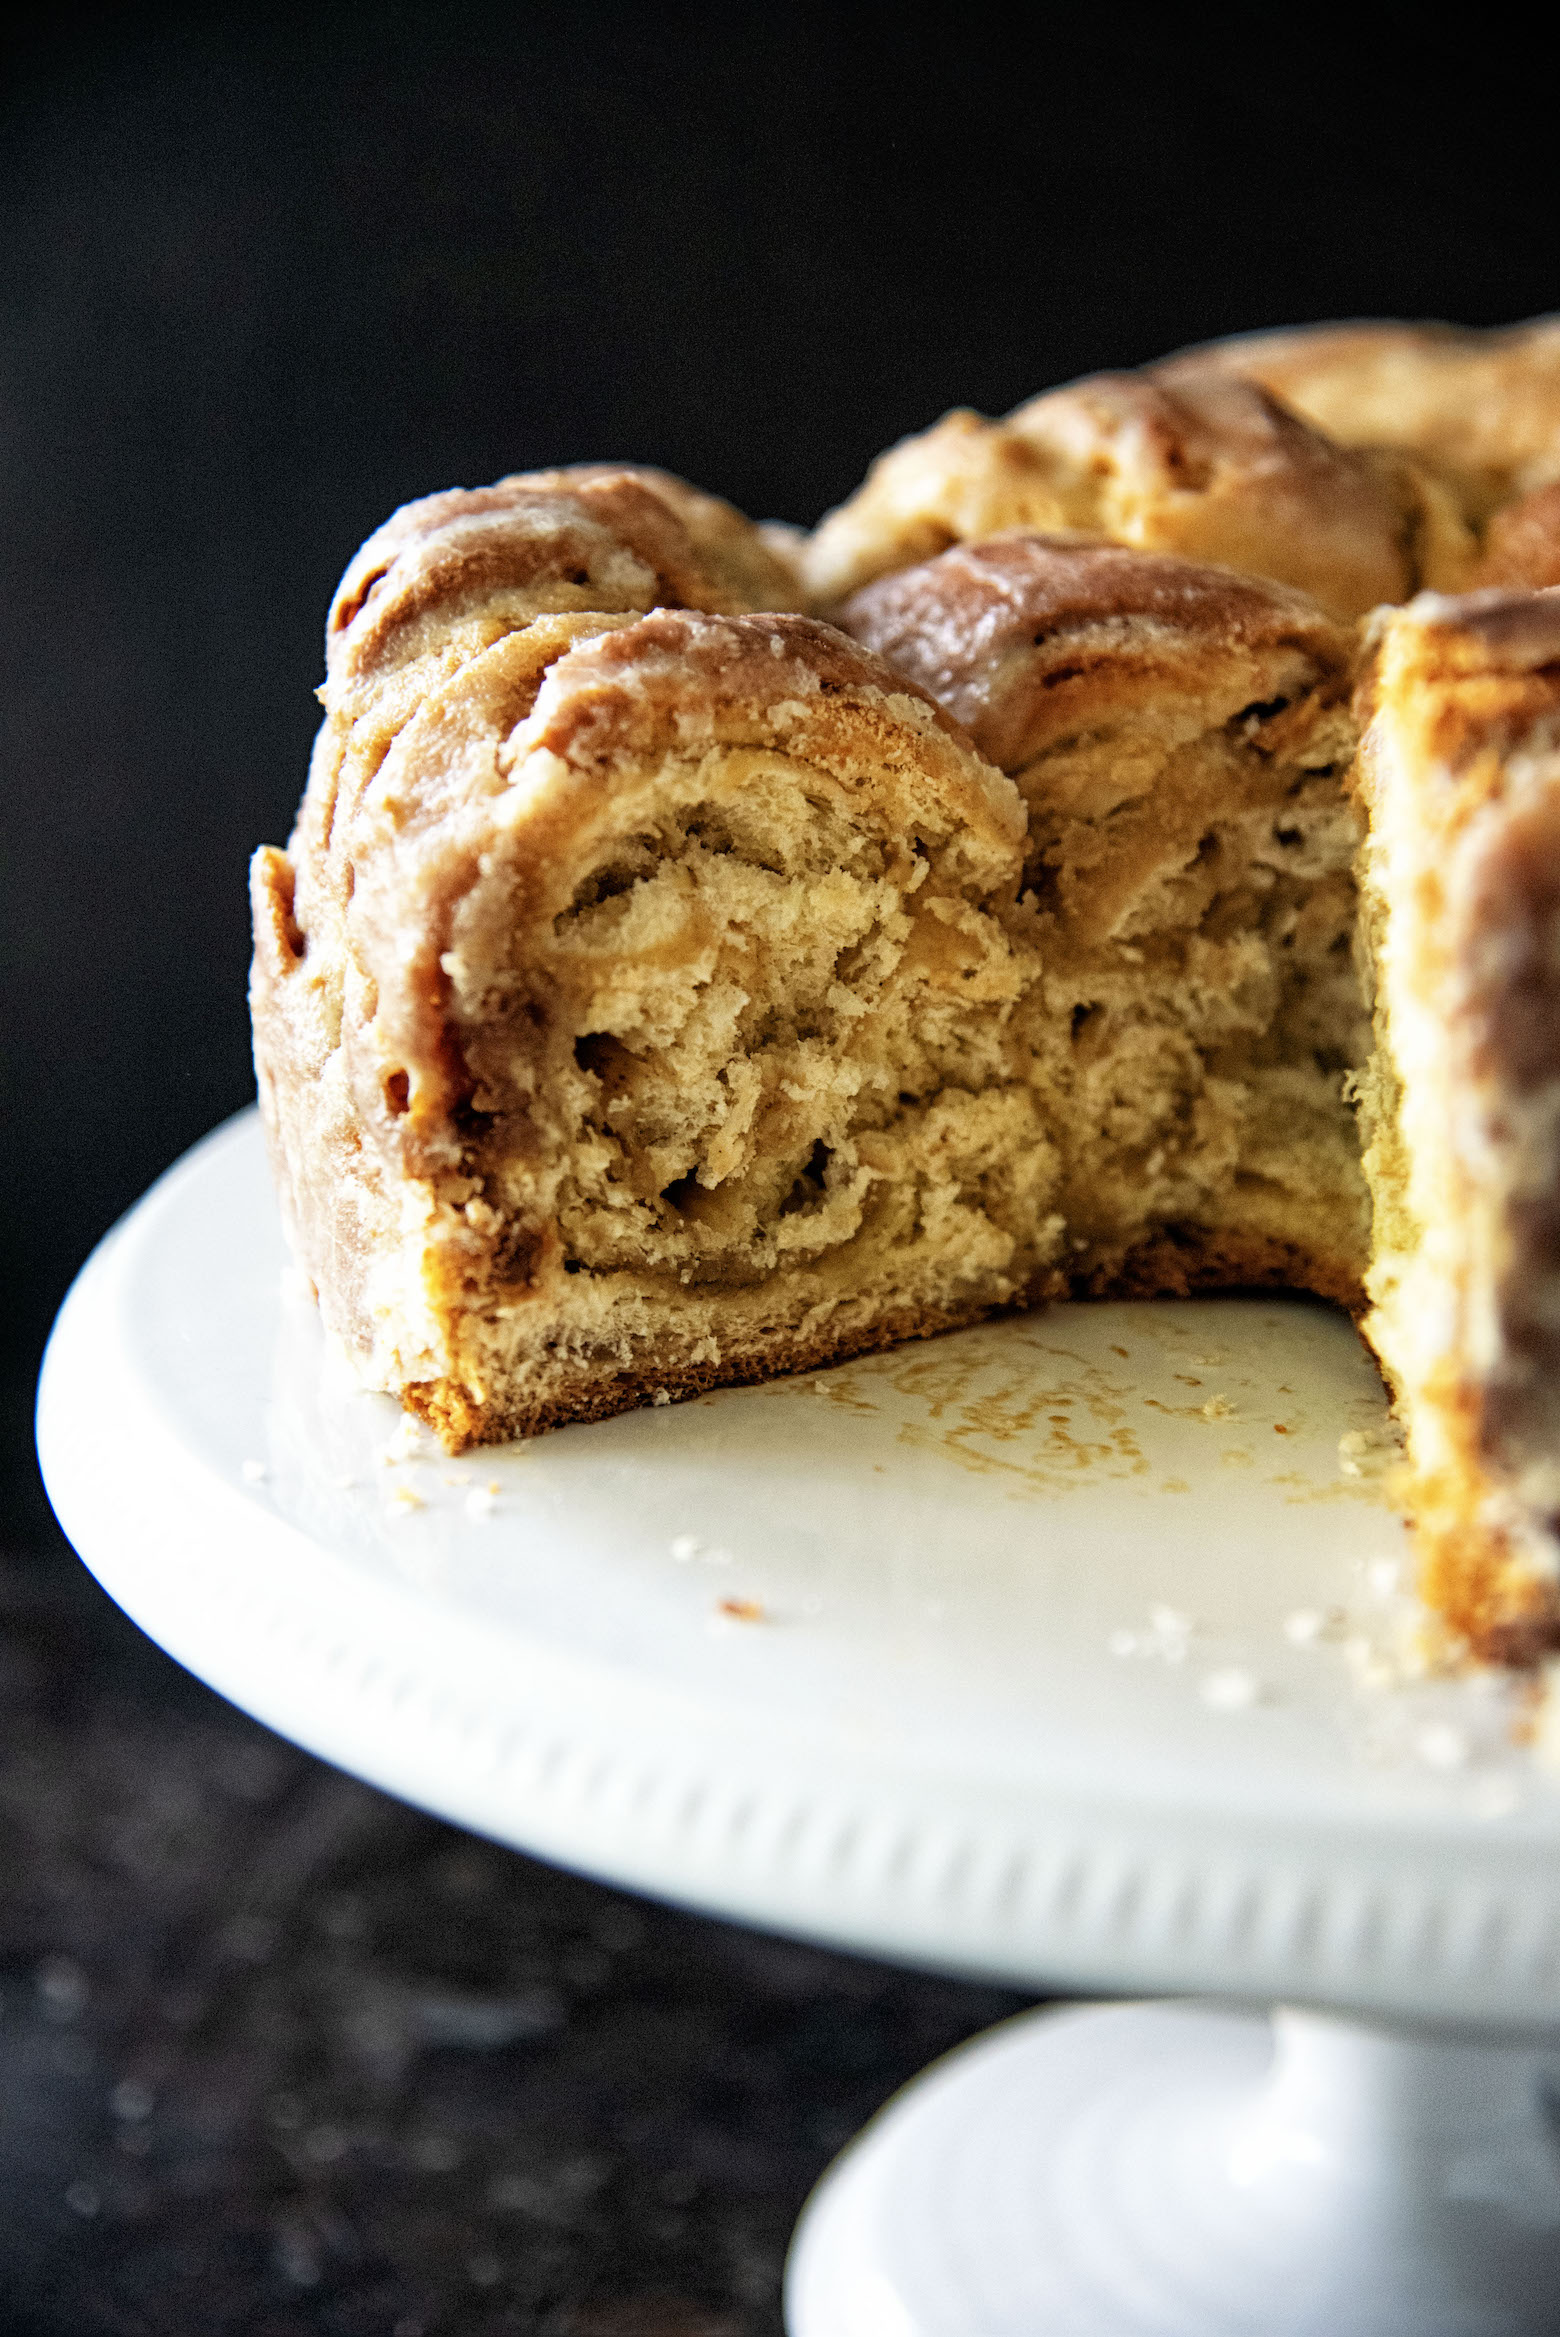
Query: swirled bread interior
(706,951)
(653,999)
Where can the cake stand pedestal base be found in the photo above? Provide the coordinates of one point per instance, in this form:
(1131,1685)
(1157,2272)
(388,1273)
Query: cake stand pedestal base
(1176,2170)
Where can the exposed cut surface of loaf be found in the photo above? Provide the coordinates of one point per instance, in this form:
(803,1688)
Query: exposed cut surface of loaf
(626,973)
(1180,737)
(667,986)
(652,1000)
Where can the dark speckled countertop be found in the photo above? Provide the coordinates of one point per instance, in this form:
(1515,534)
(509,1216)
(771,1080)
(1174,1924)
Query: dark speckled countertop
(279,2055)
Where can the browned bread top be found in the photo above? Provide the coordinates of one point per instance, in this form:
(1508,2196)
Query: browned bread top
(1211,467)
(679,677)
(592,538)
(1208,467)
(1026,636)
(1486,403)
(1522,542)
(745,558)
(1510,638)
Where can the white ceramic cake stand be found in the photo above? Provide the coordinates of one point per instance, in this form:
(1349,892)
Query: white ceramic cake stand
(1066,1650)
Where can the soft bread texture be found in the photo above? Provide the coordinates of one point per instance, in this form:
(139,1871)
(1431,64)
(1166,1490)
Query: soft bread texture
(650,1001)
(1207,466)
(1179,736)
(1460,773)
(664,988)
(632,1005)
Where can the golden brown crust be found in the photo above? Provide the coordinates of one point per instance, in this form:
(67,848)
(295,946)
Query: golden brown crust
(1467,1582)
(1522,543)
(963,479)
(754,562)
(1182,1263)
(1458,663)
(1486,404)
(599,1392)
(1207,467)
(1212,468)
(593,538)
(1461,768)
(1027,638)
(625,694)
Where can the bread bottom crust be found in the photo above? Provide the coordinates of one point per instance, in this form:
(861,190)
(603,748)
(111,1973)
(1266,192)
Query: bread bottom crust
(1173,1264)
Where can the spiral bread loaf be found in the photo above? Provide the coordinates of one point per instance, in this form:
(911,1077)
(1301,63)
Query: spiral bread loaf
(705,952)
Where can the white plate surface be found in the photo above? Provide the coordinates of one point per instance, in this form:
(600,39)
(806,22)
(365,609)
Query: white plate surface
(1009,1679)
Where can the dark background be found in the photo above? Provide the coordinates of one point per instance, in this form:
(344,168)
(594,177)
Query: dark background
(262,281)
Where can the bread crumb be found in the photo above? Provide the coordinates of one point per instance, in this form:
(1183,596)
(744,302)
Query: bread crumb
(254,1472)
(1363,1451)
(685,1546)
(481,1502)
(741,1610)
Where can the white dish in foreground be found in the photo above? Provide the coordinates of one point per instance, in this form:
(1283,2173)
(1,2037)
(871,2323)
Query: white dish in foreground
(983,1653)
